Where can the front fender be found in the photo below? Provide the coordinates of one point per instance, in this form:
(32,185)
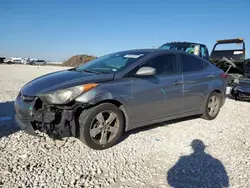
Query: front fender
(95,96)
(98,95)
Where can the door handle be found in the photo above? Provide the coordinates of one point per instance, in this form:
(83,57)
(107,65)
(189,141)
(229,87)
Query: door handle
(178,82)
(210,76)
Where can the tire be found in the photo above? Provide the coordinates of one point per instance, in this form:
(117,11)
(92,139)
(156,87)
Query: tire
(86,123)
(208,115)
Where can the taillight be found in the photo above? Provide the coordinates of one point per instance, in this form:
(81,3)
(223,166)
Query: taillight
(223,75)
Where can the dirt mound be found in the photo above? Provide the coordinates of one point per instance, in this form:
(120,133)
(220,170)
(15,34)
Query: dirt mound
(78,60)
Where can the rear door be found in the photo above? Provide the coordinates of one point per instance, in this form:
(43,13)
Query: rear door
(160,95)
(198,81)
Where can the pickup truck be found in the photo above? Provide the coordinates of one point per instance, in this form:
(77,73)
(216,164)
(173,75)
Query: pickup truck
(190,47)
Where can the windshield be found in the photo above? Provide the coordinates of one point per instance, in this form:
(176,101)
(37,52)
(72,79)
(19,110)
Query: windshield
(114,62)
(179,46)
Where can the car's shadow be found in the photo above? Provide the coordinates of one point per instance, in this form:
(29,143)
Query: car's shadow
(156,125)
(199,169)
(7,123)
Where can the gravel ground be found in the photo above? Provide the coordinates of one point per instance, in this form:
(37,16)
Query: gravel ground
(169,154)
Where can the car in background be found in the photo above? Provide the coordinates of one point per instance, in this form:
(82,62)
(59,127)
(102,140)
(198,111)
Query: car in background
(100,100)
(37,62)
(26,60)
(13,60)
(198,49)
(2,60)
(230,56)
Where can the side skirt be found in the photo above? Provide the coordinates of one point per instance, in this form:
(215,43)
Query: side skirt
(193,113)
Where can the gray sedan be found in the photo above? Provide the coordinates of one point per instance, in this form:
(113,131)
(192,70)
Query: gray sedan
(98,101)
(37,62)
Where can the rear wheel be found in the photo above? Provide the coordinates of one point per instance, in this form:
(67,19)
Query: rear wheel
(101,126)
(212,107)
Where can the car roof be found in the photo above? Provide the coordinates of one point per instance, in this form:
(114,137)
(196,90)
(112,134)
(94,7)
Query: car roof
(146,50)
(153,50)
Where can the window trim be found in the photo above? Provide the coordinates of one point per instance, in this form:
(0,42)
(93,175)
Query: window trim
(206,51)
(194,56)
(177,67)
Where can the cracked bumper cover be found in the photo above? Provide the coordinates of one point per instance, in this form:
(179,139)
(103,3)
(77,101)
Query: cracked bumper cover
(25,126)
(242,90)
(23,116)
(56,123)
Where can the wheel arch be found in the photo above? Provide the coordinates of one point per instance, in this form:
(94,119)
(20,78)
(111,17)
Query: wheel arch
(115,102)
(208,94)
(119,98)
(221,96)
(217,91)
(119,105)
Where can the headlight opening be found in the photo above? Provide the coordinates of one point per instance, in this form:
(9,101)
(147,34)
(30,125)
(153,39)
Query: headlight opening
(66,95)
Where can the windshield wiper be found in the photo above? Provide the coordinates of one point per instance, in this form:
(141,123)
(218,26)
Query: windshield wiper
(91,71)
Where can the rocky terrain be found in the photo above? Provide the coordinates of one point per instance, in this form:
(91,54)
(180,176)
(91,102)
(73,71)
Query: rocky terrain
(192,152)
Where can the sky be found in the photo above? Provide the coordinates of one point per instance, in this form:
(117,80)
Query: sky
(56,30)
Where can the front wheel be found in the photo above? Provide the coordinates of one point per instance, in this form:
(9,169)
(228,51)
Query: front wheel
(101,126)
(212,107)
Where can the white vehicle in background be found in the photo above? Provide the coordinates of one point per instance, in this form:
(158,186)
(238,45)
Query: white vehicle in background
(13,60)
(27,61)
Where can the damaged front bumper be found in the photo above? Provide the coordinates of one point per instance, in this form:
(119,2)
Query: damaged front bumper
(242,90)
(56,121)
(25,126)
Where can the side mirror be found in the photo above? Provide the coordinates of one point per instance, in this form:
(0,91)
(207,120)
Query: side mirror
(146,71)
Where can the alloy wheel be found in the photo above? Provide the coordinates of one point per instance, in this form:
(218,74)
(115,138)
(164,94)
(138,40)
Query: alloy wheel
(104,127)
(213,105)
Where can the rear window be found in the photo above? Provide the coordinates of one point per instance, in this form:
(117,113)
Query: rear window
(230,46)
(191,63)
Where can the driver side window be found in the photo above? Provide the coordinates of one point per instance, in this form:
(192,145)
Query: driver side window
(163,64)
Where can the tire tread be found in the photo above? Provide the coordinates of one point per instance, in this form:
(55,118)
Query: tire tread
(206,115)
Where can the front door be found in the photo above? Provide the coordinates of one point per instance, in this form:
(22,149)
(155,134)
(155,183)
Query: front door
(160,95)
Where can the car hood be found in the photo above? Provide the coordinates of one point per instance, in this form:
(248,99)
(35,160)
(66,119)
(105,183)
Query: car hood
(61,80)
